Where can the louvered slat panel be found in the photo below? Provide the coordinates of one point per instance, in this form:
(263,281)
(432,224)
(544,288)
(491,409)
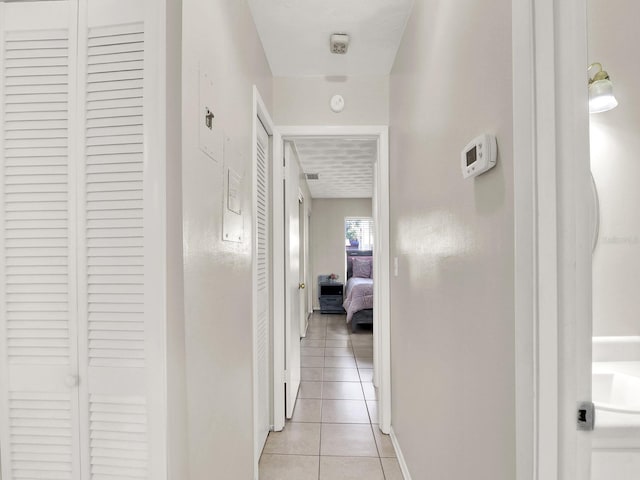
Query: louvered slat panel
(262,284)
(36,204)
(118,437)
(261,219)
(114,196)
(40,433)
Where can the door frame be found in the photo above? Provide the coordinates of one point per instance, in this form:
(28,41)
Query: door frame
(260,114)
(292,333)
(304,265)
(307,220)
(552,247)
(382,329)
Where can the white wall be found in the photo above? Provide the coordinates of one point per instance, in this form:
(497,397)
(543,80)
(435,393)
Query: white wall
(615,143)
(219,35)
(327,235)
(305,100)
(452,305)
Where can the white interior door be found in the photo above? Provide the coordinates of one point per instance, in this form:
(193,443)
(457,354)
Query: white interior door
(82,303)
(39,421)
(292,273)
(303,241)
(118,289)
(308,266)
(262,275)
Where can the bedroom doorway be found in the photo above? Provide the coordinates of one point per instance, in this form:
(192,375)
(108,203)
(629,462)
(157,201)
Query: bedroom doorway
(359,253)
(379,205)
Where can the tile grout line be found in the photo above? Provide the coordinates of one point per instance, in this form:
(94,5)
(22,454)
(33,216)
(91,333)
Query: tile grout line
(384,475)
(310,455)
(371,424)
(323,323)
(322,401)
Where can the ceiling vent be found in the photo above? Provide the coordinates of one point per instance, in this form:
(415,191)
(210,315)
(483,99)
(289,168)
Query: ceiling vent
(312,176)
(339,43)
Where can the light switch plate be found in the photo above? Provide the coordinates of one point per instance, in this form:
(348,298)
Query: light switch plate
(234,192)
(211,135)
(232,215)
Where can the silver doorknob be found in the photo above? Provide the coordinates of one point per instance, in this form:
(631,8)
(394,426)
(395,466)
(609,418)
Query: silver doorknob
(301,286)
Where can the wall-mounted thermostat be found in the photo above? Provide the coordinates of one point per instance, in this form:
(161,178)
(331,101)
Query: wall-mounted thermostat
(479,156)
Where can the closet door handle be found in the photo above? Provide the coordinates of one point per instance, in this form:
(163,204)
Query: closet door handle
(71,381)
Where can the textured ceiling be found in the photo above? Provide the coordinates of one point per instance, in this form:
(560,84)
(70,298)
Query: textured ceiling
(344,166)
(295,35)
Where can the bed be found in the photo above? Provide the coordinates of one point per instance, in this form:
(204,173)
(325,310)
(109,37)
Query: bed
(358,294)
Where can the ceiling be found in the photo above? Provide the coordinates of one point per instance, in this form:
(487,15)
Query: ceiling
(295,35)
(344,166)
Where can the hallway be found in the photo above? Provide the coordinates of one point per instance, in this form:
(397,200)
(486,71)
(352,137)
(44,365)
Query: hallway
(333,434)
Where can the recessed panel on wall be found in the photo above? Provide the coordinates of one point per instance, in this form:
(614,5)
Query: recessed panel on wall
(233,219)
(211,135)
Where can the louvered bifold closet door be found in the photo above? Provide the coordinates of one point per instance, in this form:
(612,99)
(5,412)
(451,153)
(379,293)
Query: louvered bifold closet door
(112,243)
(262,221)
(39,427)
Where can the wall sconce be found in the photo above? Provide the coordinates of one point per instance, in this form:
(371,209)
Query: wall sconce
(601,96)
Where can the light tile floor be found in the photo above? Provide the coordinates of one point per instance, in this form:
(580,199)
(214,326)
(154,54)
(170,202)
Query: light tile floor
(333,434)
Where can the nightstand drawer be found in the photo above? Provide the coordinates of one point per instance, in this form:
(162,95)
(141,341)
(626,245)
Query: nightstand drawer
(331,302)
(330,295)
(328,290)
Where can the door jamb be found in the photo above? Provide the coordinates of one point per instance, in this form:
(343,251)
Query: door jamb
(309,311)
(552,256)
(278,275)
(304,244)
(382,347)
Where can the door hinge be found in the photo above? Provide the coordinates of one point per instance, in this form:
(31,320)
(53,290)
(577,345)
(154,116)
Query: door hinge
(586,417)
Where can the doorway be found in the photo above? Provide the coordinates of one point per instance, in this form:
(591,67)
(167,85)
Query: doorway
(615,366)
(283,360)
(554,229)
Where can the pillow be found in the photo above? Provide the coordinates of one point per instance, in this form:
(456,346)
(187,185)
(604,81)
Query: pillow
(362,267)
(349,267)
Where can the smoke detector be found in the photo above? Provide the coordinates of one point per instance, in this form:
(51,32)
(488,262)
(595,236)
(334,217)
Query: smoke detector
(339,43)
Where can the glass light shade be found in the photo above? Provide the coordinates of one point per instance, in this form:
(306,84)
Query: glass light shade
(601,96)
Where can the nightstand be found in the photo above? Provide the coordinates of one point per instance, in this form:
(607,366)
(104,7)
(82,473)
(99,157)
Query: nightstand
(330,295)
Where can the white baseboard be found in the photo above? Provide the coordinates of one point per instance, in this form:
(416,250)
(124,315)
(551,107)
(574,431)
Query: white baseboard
(401,460)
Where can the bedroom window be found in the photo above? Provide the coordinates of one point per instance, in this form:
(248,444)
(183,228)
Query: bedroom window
(358,233)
